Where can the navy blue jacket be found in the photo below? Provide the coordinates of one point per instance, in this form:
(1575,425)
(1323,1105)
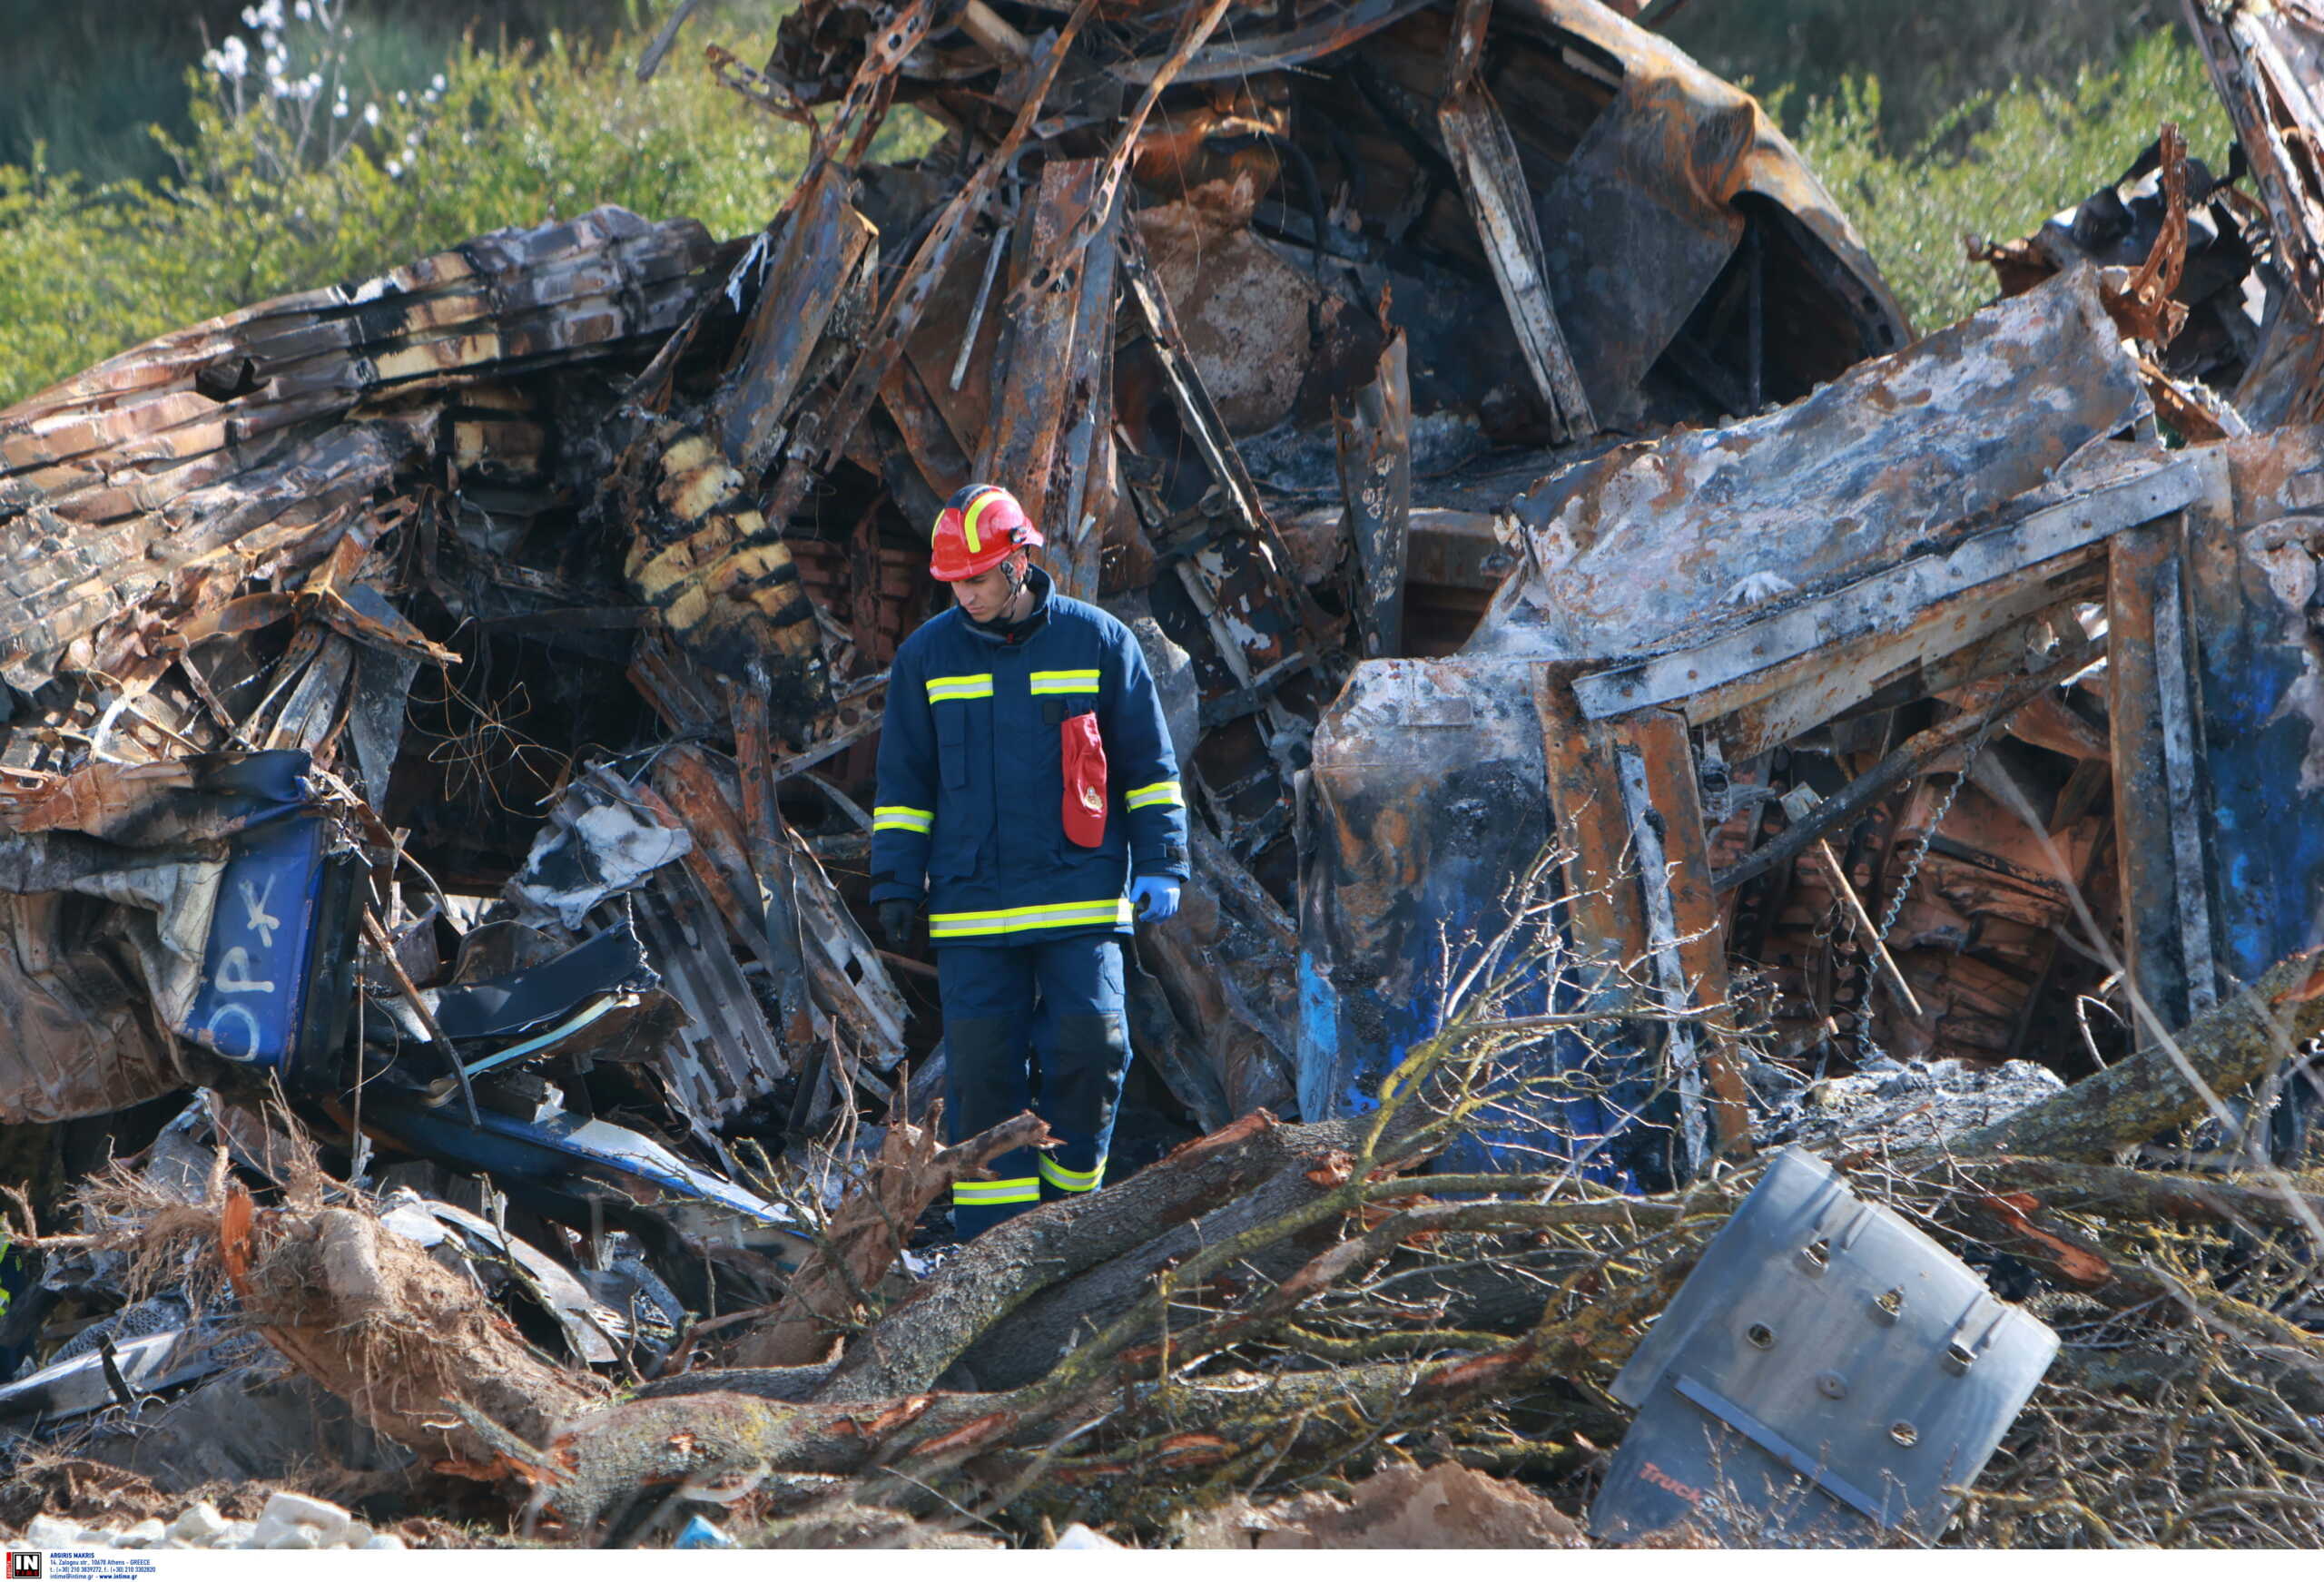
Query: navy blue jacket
(972,782)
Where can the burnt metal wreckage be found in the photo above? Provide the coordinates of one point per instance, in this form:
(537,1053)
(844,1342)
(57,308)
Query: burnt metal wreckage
(442,707)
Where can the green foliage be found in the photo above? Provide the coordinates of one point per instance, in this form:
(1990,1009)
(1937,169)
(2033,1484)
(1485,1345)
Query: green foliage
(1999,164)
(90,80)
(279,194)
(1929,59)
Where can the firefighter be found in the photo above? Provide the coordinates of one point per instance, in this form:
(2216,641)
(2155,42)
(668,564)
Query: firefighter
(1026,781)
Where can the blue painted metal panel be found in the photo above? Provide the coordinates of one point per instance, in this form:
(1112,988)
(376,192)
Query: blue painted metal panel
(2255,663)
(251,1006)
(1427,798)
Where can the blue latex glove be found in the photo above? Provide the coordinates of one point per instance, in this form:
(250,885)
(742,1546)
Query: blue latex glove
(1153,897)
(701,1533)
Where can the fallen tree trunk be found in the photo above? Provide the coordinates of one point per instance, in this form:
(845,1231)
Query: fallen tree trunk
(2158,1195)
(923,1335)
(1171,1425)
(1069,1313)
(2228,1049)
(1073,1308)
(867,1235)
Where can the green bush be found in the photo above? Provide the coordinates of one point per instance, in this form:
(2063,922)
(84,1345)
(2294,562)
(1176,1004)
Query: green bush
(1999,164)
(282,191)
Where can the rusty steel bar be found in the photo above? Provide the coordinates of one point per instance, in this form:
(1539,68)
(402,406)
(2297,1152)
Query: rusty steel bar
(1376,462)
(1099,214)
(984,296)
(1492,181)
(918,284)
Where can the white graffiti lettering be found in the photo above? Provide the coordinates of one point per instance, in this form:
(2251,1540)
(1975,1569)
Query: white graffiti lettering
(219,1017)
(234,975)
(255,916)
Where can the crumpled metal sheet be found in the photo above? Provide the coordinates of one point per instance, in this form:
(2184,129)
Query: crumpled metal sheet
(592,282)
(1641,219)
(80,1034)
(1049,426)
(600,841)
(1625,554)
(2266,62)
(1430,795)
(2251,584)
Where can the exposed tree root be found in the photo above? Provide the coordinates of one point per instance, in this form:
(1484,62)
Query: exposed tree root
(371,1318)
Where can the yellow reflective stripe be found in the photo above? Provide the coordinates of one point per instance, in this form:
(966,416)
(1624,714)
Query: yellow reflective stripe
(1070,1180)
(941,688)
(1064,681)
(918,820)
(1163,793)
(969,519)
(1018,1189)
(1021,920)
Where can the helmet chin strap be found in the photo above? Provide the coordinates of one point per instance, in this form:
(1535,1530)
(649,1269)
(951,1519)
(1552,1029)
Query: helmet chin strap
(1019,570)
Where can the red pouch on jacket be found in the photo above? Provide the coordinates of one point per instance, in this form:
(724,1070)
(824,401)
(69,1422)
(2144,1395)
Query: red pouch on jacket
(1085,780)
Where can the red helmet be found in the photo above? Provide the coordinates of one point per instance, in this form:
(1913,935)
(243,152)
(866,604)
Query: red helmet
(978,528)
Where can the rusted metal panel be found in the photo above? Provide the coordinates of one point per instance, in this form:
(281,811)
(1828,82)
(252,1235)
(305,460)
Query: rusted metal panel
(1955,642)
(931,442)
(1889,603)
(1376,454)
(1629,552)
(1651,206)
(1663,795)
(595,282)
(825,251)
(1623,800)
(2267,61)
(1047,433)
(953,350)
(1435,786)
(2177,710)
(1605,913)
(2184,679)
(79,1032)
(69,599)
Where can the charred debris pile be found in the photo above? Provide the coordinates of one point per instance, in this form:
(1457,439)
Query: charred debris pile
(1633,694)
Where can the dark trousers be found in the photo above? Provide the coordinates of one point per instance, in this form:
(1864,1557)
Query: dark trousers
(1055,1008)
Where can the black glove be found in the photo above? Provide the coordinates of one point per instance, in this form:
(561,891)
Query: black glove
(900,923)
